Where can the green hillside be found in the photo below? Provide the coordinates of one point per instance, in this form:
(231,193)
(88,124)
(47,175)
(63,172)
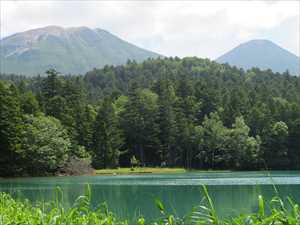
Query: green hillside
(68,50)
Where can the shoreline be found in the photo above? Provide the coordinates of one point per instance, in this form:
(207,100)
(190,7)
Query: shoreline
(142,171)
(139,171)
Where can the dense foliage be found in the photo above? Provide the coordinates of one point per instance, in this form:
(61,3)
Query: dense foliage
(45,144)
(23,213)
(190,112)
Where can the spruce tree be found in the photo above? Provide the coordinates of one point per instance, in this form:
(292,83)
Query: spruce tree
(107,137)
(10,128)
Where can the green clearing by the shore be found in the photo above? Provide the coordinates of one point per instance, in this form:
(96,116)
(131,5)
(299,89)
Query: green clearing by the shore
(139,170)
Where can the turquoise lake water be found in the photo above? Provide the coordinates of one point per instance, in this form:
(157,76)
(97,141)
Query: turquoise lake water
(129,196)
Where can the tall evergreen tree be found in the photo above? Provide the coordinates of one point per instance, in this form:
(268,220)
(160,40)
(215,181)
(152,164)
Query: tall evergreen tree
(107,137)
(29,103)
(85,120)
(167,121)
(10,128)
(139,121)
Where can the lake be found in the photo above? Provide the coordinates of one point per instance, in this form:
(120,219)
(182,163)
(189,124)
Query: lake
(129,196)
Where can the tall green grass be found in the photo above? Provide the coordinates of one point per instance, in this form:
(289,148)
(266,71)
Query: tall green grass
(17,212)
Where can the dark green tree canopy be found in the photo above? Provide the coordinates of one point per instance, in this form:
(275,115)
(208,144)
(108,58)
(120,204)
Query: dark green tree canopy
(189,112)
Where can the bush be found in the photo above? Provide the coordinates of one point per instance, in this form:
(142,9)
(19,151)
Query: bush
(77,166)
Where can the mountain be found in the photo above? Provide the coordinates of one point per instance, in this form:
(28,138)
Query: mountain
(68,50)
(263,54)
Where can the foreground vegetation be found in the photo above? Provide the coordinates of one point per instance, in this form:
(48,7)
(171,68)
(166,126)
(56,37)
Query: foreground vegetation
(81,213)
(171,112)
(140,170)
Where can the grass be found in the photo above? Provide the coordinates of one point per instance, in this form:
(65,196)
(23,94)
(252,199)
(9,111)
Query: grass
(15,212)
(139,170)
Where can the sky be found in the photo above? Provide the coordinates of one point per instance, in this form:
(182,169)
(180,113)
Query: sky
(205,29)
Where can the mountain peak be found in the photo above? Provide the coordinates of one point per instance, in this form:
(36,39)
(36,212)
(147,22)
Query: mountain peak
(67,49)
(50,30)
(45,30)
(263,54)
(82,28)
(260,41)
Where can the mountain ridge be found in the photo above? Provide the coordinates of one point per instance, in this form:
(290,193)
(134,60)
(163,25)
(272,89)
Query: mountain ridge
(77,50)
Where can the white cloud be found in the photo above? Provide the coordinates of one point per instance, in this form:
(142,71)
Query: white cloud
(202,28)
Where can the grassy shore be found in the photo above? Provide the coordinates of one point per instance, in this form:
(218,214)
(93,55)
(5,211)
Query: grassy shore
(139,170)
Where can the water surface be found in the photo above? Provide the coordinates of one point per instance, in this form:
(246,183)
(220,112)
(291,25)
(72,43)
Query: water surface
(129,196)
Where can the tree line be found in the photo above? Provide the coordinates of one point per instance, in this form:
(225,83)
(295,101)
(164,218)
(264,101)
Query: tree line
(190,112)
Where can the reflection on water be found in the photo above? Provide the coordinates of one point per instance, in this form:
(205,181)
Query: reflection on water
(131,196)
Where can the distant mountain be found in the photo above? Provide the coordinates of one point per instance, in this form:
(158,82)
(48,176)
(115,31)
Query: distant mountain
(263,54)
(68,50)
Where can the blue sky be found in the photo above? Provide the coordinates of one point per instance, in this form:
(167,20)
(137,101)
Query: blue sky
(172,28)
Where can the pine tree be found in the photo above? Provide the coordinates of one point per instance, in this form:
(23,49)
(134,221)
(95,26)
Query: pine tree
(139,121)
(85,123)
(107,137)
(10,128)
(167,121)
(29,103)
